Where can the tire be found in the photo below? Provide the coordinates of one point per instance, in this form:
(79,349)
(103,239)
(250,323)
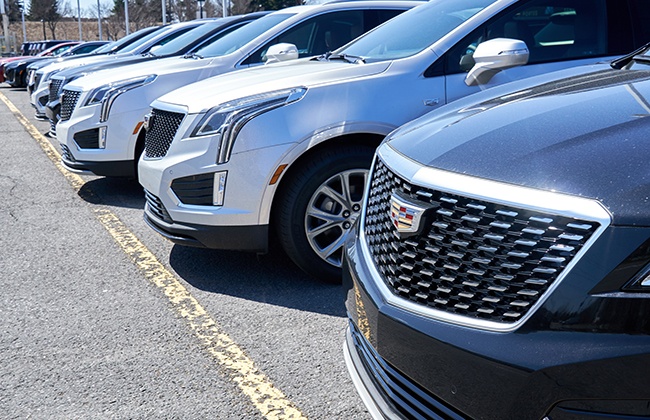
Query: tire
(318,207)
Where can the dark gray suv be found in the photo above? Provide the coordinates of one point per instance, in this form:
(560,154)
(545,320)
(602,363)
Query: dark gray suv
(501,268)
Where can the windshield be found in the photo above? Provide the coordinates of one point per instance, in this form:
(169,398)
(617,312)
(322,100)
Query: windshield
(140,42)
(104,48)
(184,40)
(414,30)
(117,45)
(242,36)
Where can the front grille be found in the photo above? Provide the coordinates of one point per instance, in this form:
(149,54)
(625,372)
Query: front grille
(412,401)
(55,87)
(66,153)
(37,80)
(162,129)
(88,139)
(156,207)
(68,102)
(196,189)
(473,258)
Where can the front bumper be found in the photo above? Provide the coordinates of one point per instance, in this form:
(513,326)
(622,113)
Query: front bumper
(39,100)
(589,360)
(240,223)
(81,137)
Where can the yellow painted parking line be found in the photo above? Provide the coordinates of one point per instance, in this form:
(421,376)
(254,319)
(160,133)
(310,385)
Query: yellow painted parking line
(269,400)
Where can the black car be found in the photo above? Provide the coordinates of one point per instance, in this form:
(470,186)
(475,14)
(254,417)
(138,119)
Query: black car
(501,268)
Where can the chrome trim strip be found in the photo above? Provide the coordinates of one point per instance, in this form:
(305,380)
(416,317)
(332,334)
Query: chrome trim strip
(487,190)
(367,399)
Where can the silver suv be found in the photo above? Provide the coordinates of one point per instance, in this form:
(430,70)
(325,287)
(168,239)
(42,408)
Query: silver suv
(286,148)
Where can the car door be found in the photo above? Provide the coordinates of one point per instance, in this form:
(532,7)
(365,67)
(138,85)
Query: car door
(558,33)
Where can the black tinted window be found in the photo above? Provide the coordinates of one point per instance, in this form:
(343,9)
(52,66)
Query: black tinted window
(553,30)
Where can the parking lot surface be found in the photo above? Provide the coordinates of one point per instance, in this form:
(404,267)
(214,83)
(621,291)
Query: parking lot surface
(103,318)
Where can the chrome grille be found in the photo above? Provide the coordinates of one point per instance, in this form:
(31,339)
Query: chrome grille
(156,207)
(162,129)
(68,102)
(412,401)
(55,87)
(472,258)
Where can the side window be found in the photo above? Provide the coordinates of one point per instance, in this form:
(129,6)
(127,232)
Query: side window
(553,31)
(326,32)
(317,35)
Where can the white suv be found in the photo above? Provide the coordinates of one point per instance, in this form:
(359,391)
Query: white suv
(102,114)
(286,148)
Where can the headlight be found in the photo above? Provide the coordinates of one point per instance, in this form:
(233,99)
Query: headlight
(228,119)
(107,94)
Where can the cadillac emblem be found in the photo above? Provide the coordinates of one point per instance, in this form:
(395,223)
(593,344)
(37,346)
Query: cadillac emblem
(148,121)
(407,215)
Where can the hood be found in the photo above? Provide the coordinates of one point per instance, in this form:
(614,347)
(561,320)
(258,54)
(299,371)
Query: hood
(163,66)
(584,135)
(203,95)
(73,62)
(75,72)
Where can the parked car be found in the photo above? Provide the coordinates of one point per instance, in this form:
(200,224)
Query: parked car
(132,41)
(38,47)
(17,71)
(134,51)
(287,148)
(60,46)
(500,268)
(206,31)
(103,114)
(14,70)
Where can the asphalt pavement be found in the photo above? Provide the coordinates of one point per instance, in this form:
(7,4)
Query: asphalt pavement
(87,332)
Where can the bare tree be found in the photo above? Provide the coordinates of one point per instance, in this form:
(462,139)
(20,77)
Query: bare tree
(50,11)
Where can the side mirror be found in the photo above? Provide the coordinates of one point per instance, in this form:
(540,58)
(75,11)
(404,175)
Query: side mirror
(281,52)
(495,55)
(155,48)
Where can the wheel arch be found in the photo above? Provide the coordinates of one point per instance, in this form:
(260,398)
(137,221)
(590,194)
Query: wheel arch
(367,139)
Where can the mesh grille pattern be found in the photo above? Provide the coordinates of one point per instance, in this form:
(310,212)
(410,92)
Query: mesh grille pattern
(195,189)
(162,129)
(412,401)
(69,101)
(156,206)
(472,258)
(55,86)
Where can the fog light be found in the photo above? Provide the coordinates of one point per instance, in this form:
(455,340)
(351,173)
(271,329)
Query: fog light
(102,137)
(219,187)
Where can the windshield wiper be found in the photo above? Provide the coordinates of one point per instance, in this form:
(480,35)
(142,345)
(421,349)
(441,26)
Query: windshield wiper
(349,58)
(619,63)
(193,55)
(149,54)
